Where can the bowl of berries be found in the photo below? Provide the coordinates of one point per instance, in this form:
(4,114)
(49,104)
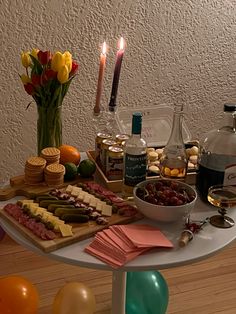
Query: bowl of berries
(164,200)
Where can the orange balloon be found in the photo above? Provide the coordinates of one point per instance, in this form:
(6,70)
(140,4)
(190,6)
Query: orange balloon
(18,295)
(74,298)
(69,154)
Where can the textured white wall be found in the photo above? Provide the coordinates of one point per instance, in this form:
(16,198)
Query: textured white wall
(173,47)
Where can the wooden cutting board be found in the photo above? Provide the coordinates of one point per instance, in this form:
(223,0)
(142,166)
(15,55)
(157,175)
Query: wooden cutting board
(81,231)
(18,187)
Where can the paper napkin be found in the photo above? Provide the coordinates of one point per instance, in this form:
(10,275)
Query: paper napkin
(121,243)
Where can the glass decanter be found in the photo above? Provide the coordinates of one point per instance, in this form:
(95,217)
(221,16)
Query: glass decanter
(173,163)
(217,159)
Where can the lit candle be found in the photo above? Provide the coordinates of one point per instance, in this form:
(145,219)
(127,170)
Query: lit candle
(115,83)
(96,108)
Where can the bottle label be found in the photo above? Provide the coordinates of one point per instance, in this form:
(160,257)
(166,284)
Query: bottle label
(135,169)
(230,175)
(114,167)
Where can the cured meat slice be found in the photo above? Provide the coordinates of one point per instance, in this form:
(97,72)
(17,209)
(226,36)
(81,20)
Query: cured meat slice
(36,227)
(50,235)
(14,210)
(127,211)
(116,199)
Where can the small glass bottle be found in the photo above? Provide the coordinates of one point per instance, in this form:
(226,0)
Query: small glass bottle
(174,161)
(135,157)
(217,158)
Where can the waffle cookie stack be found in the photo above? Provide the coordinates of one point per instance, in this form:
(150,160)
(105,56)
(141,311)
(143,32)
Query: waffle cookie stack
(54,174)
(34,170)
(51,154)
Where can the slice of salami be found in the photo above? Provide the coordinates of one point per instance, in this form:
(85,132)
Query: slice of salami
(92,185)
(128,211)
(50,235)
(116,199)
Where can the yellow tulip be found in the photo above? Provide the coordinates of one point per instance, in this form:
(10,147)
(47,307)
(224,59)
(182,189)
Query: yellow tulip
(25,79)
(34,53)
(63,74)
(25,59)
(68,60)
(58,61)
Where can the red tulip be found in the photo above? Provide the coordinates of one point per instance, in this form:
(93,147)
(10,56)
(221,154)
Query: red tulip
(44,57)
(36,79)
(29,88)
(50,74)
(74,68)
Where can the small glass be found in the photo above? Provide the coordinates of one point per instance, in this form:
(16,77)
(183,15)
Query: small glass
(223,197)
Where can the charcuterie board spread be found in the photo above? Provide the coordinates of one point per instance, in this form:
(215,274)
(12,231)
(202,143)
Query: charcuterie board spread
(56,218)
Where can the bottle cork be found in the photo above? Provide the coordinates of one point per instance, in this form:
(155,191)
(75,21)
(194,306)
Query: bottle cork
(185,238)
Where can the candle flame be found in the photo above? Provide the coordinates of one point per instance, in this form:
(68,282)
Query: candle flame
(104,48)
(122,43)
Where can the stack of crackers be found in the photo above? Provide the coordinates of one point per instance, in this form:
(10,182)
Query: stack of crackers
(34,170)
(51,154)
(54,174)
(45,168)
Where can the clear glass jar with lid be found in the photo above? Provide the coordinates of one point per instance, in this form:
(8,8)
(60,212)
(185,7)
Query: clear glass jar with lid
(217,158)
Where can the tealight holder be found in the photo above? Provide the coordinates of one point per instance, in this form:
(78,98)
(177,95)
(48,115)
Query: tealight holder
(99,120)
(111,124)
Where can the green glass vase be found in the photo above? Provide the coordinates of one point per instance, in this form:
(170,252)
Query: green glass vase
(49,127)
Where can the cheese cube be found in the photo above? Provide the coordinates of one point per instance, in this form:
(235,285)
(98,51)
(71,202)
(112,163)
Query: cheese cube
(32,205)
(56,222)
(40,210)
(87,198)
(93,201)
(66,230)
(100,205)
(81,195)
(75,191)
(107,210)
(69,188)
(46,215)
(24,202)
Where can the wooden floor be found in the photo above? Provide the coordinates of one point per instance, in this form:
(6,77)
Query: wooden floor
(208,287)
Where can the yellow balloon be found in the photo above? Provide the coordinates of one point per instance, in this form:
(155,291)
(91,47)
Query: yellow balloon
(74,298)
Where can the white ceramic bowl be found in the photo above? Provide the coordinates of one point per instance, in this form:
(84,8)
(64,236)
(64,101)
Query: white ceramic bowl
(165,213)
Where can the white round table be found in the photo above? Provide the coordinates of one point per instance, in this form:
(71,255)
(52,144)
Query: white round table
(205,243)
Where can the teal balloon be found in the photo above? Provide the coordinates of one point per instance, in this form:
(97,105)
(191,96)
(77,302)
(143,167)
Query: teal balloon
(146,293)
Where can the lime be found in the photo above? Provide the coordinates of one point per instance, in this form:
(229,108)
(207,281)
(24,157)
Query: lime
(86,168)
(71,171)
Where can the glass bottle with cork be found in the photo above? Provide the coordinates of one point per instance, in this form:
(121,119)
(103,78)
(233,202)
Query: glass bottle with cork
(174,161)
(135,157)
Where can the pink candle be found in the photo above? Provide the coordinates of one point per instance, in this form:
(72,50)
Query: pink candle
(115,83)
(102,65)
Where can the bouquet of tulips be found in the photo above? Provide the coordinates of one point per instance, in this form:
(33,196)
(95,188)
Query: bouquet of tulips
(49,73)
(47,79)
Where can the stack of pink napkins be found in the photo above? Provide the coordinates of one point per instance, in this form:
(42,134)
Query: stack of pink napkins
(121,243)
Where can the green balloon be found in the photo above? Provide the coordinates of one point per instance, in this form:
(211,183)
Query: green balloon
(146,293)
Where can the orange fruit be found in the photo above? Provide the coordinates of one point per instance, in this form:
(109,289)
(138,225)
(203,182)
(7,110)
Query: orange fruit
(69,154)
